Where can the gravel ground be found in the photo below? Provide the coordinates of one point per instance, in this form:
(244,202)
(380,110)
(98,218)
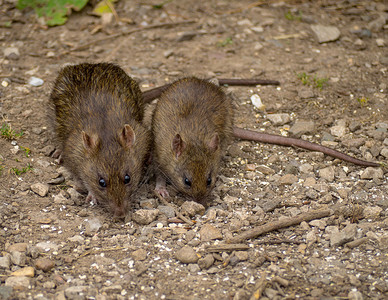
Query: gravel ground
(321,223)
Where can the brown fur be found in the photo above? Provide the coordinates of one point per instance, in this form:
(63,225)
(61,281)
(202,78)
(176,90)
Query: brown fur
(98,113)
(191,126)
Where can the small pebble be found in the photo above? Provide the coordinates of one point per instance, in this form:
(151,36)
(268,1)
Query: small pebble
(206,262)
(19,283)
(192,208)
(92,226)
(187,255)
(208,232)
(27,271)
(44,264)
(35,81)
(372,173)
(40,188)
(288,179)
(139,254)
(5,262)
(145,216)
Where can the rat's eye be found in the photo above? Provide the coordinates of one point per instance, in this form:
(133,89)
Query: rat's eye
(209,181)
(187,182)
(102,182)
(127,179)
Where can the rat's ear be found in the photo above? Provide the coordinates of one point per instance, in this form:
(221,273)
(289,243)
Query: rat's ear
(178,145)
(127,136)
(91,142)
(214,142)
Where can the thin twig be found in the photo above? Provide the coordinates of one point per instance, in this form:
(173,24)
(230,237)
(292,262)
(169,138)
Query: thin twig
(255,232)
(178,214)
(227,247)
(84,46)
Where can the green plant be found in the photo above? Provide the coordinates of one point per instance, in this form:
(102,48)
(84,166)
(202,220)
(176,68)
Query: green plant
(22,171)
(160,5)
(312,80)
(26,150)
(363,101)
(8,133)
(293,17)
(54,12)
(225,42)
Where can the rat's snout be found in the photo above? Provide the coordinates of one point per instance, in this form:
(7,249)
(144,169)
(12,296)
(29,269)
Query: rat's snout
(120,209)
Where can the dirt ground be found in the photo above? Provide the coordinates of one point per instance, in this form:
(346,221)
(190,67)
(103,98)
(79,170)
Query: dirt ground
(64,248)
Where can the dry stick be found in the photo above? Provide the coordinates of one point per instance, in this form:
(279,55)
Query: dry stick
(357,243)
(255,232)
(127,33)
(179,215)
(227,247)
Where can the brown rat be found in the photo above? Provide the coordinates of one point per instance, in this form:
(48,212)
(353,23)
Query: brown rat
(98,114)
(192,125)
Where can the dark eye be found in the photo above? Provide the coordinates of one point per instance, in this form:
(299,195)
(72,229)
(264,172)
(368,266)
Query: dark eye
(209,181)
(127,179)
(187,182)
(102,182)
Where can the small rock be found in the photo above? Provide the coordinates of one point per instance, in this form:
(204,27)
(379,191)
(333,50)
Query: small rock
(11,53)
(206,262)
(354,125)
(241,294)
(256,101)
(145,216)
(242,255)
(318,223)
(355,295)
(43,163)
(353,142)
(208,232)
(139,254)
(270,293)
(326,137)
(74,195)
(372,212)
(265,170)
(235,224)
(311,237)
(372,173)
(306,93)
(33,251)
(113,289)
(302,127)
(47,246)
(20,247)
(326,34)
(288,179)
(378,23)
(5,292)
(279,119)
(50,285)
(18,258)
(187,255)
(5,262)
(338,238)
(44,264)
(193,268)
(76,292)
(192,208)
(61,199)
(306,168)
(338,130)
(380,42)
(106,18)
(327,173)
(186,36)
(35,81)
(77,239)
(92,226)
(384,152)
(168,53)
(27,272)
(40,188)
(149,203)
(19,283)
(270,204)
(167,210)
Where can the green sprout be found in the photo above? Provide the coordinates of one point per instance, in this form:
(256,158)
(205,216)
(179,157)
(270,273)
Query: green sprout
(26,150)
(160,5)
(22,171)
(293,17)
(225,42)
(8,133)
(312,80)
(363,101)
